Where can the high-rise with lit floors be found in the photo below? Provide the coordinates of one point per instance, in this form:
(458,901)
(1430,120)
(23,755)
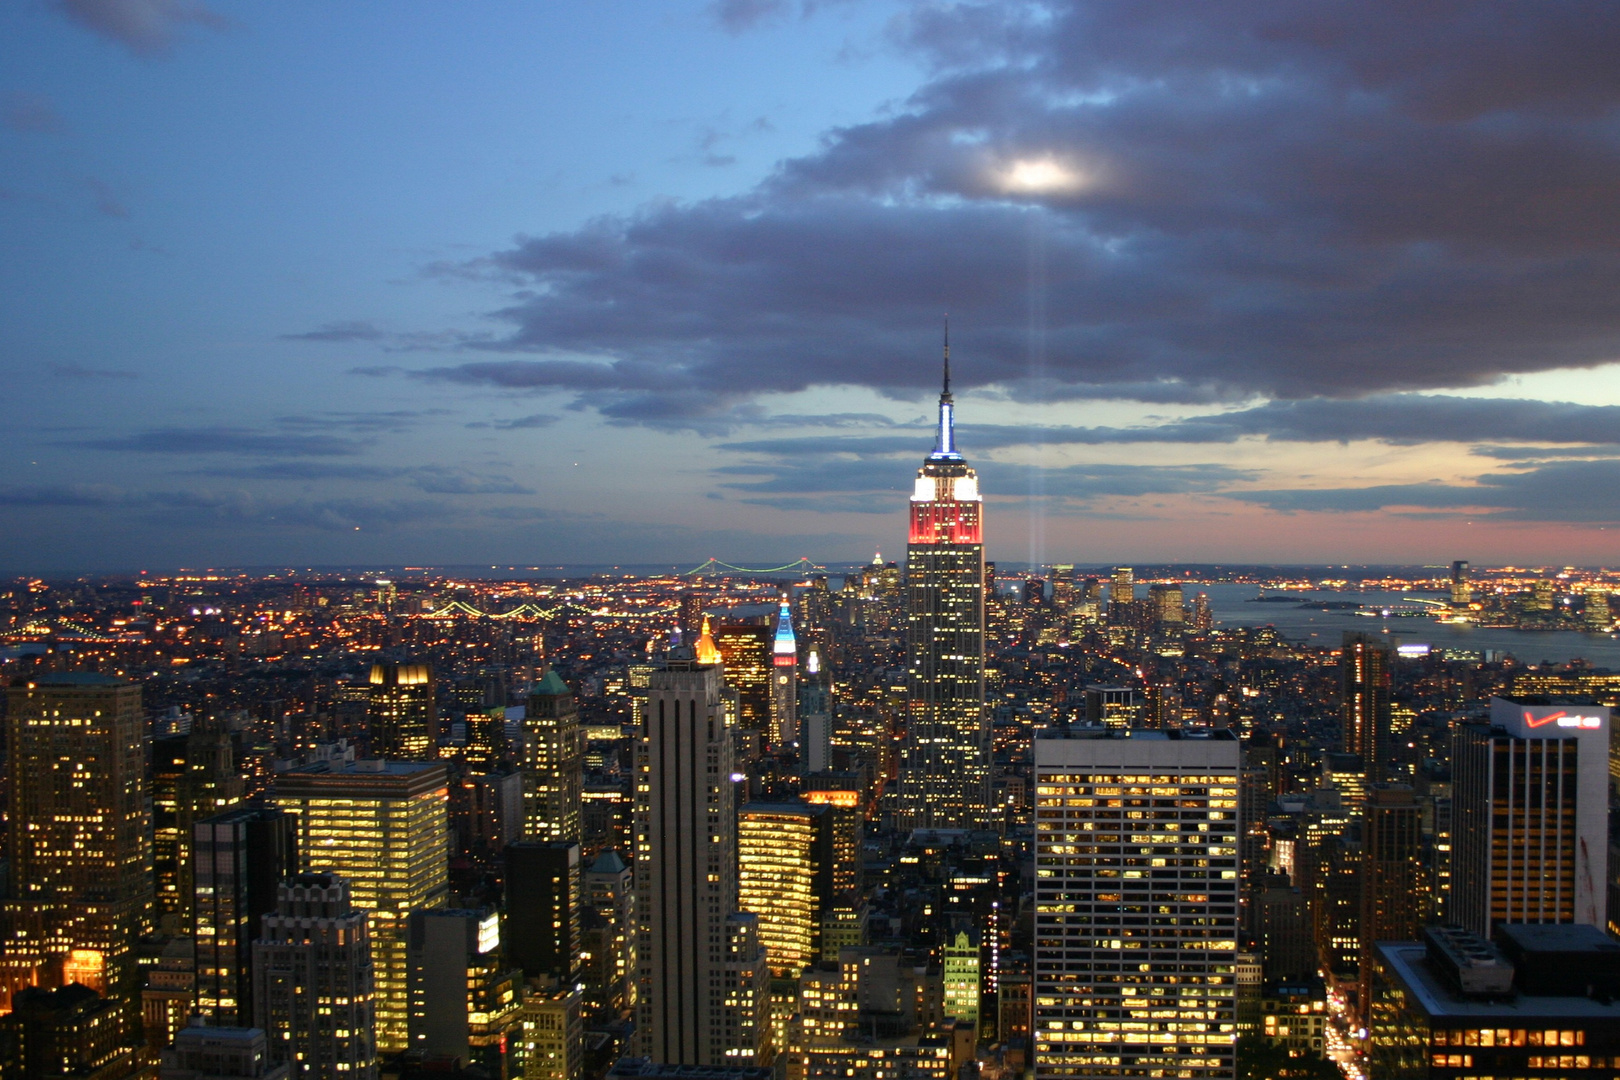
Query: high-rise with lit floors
(313,991)
(239,859)
(553,762)
(785,861)
(1136,905)
(401,712)
(1529,815)
(701,976)
(1364,702)
(945,773)
(80,828)
(784,679)
(383,827)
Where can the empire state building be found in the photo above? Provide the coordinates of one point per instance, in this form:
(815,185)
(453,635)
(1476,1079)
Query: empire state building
(945,773)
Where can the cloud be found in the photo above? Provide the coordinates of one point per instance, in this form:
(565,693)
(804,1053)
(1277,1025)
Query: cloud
(339,331)
(227,440)
(75,371)
(453,481)
(1257,201)
(145,27)
(23,111)
(1564,491)
(518,423)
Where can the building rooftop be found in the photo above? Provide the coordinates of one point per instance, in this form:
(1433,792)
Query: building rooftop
(1429,990)
(552,685)
(77,678)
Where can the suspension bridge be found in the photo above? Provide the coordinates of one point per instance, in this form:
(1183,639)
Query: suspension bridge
(714,566)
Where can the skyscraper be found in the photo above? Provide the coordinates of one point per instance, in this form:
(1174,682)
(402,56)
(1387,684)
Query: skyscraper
(1136,916)
(543,908)
(382,826)
(239,859)
(1529,812)
(1364,701)
(815,715)
(784,679)
(1462,590)
(785,863)
(401,712)
(553,762)
(747,651)
(463,996)
(945,774)
(701,977)
(1391,850)
(81,846)
(313,989)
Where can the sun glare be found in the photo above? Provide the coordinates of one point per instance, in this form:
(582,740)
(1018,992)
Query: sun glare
(1040,176)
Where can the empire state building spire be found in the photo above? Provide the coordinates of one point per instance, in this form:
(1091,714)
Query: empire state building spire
(945,444)
(945,772)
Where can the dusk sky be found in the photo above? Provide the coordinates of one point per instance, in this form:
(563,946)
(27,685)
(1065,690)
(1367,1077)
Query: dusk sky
(565,283)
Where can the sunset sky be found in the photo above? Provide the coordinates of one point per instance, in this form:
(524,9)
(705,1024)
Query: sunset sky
(561,283)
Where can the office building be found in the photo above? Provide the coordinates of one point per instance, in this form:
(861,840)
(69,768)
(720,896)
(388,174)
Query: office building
(1165,608)
(701,975)
(553,762)
(611,966)
(193,776)
(945,771)
(402,712)
(1391,873)
(486,746)
(168,997)
(549,1035)
(382,826)
(785,862)
(1529,815)
(207,1053)
(68,1032)
(240,859)
(784,679)
(1122,597)
(543,905)
(1136,905)
(962,977)
(313,981)
(1364,701)
(1539,1001)
(1462,590)
(815,715)
(463,997)
(80,829)
(748,652)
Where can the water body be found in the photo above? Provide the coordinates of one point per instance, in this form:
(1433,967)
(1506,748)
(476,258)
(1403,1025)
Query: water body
(1232,607)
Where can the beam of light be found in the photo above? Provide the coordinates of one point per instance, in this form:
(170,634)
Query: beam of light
(1040,176)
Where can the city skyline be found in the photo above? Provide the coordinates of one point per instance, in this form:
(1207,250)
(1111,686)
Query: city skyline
(652,283)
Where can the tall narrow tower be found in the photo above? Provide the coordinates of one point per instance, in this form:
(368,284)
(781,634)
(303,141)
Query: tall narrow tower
(701,976)
(945,776)
(785,679)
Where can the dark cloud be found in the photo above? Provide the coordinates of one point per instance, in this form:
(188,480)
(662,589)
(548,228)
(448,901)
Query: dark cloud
(1564,491)
(518,423)
(340,331)
(305,470)
(225,440)
(390,420)
(23,111)
(450,481)
(1218,202)
(145,27)
(1400,419)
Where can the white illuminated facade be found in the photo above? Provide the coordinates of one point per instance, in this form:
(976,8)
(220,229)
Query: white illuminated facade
(1136,897)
